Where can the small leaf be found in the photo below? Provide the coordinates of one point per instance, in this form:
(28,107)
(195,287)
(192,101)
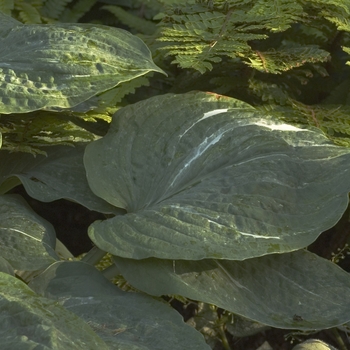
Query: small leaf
(207,176)
(50,66)
(27,240)
(32,322)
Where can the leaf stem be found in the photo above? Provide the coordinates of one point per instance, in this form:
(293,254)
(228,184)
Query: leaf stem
(111,272)
(223,337)
(94,256)
(338,339)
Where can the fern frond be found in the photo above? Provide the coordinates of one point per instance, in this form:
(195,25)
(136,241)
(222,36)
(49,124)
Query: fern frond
(347,50)
(75,12)
(30,132)
(275,62)
(54,8)
(108,101)
(341,22)
(141,25)
(329,5)
(335,11)
(268,92)
(211,29)
(197,40)
(176,2)
(333,120)
(6,6)
(340,94)
(278,15)
(311,35)
(28,13)
(200,63)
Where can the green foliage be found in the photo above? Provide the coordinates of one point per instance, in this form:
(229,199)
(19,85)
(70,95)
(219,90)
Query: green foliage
(285,59)
(78,10)
(173,200)
(95,59)
(6,6)
(37,129)
(211,198)
(54,8)
(141,25)
(47,319)
(209,31)
(28,13)
(333,120)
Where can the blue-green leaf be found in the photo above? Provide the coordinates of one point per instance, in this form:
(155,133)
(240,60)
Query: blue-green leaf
(205,176)
(54,66)
(126,321)
(27,241)
(6,267)
(294,290)
(60,174)
(29,321)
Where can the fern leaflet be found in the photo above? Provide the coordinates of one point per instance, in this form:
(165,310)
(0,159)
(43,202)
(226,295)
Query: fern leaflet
(28,13)
(54,8)
(275,62)
(6,6)
(135,22)
(78,10)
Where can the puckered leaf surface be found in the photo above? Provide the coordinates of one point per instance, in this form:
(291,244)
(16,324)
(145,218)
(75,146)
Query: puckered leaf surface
(205,176)
(27,241)
(29,321)
(294,290)
(62,65)
(126,321)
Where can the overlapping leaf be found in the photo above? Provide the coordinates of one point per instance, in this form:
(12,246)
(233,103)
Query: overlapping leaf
(294,290)
(127,321)
(59,175)
(204,176)
(27,241)
(6,267)
(62,65)
(29,321)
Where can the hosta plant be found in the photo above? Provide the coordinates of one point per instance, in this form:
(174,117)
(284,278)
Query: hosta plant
(205,196)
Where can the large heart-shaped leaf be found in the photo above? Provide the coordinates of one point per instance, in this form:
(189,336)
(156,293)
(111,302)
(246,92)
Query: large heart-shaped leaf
(294,290)
(62,65)
(127,321)
(29,321)
(205,176)
(27,241)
